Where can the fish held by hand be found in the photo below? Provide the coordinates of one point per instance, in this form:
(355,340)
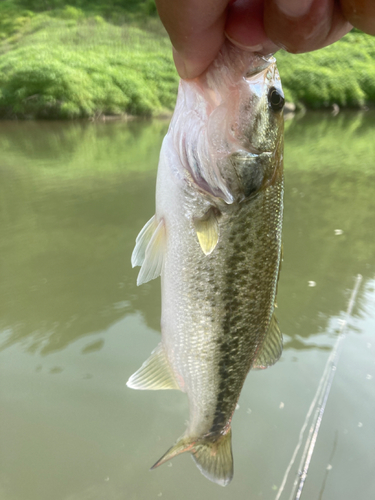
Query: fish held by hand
(215,239)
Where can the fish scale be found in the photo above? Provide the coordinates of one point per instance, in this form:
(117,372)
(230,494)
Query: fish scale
(215,240)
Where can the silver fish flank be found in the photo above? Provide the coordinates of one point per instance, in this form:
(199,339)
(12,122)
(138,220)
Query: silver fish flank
(215,239)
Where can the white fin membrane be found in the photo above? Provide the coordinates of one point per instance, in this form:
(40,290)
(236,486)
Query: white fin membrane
(155,373)
(149,251)
(143,238)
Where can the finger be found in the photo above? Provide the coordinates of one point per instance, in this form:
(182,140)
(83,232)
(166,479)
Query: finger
(360,13)
(304,25)
(196,30)
(244,26)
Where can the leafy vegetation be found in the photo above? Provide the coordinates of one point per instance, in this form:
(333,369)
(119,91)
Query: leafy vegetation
(109,8)
(93,58)
(69,65)
(343,73)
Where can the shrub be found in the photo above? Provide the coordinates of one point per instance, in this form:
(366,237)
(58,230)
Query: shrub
(342,73)
(72,62)
(75,68)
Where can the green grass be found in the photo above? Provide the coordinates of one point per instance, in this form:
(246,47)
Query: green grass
(91,59)
(343,73)
(12,18)
(72,65)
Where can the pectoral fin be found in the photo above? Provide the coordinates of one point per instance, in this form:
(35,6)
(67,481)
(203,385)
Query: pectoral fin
(154,374)
(207,229)
(149,251)
(272,347)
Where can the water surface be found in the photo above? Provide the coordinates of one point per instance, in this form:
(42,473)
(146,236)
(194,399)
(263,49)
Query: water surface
(74,326)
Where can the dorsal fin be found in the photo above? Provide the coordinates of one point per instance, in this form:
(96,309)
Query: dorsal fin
(149,251)
(272,347)
(154,374)
(207,230)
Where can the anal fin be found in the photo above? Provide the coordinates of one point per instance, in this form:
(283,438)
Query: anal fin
(272,347)
(154,374)
(149,251)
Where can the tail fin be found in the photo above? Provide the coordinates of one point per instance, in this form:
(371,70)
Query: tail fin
(213,456)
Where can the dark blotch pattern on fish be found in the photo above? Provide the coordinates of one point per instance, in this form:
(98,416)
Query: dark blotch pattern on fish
(248,290)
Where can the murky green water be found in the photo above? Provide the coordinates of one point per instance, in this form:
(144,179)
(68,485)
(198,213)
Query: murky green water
(74,326)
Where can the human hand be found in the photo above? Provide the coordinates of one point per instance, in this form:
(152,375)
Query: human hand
(198,28)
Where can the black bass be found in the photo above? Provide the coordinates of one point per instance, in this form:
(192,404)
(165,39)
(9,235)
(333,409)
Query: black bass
(215,239)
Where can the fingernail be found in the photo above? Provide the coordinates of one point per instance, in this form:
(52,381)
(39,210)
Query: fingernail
(253,48)
(294,8)
(185,68)
(180,64)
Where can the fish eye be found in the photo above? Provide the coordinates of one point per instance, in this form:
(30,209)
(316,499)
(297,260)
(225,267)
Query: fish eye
(275,99)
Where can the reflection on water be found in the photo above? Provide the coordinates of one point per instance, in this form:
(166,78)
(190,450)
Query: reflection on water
(68,229)
(73,197)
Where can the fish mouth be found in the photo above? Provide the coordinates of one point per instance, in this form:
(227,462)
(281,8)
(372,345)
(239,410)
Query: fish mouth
(256,152)
(264,63)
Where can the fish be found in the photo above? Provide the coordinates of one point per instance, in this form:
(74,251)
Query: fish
(215,240)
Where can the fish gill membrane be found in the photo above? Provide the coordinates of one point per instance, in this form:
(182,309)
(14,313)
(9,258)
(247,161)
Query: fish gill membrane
(215,239)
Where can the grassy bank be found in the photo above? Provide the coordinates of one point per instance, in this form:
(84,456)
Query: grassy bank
(343,74)
(72,63)
(88,59)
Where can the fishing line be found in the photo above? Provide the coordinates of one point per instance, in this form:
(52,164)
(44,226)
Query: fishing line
(319,402)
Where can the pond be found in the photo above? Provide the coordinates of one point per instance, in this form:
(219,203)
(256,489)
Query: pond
(74,326)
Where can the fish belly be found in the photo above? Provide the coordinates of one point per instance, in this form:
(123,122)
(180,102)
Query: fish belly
(217,308)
